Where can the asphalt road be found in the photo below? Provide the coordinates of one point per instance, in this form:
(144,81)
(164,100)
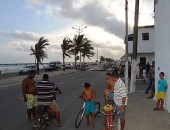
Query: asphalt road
(13,110)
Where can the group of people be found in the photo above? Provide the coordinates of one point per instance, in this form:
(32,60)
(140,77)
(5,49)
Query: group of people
(161,89)
(41,94)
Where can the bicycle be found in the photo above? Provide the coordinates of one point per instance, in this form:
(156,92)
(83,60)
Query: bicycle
(44,115)
(80,115)
(109,124)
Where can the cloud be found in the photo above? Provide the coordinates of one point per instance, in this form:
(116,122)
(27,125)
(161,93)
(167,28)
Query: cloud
(92,13)
(18,34)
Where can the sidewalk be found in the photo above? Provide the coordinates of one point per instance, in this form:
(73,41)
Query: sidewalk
(140,114)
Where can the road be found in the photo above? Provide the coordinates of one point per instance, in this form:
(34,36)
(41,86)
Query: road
(13,110)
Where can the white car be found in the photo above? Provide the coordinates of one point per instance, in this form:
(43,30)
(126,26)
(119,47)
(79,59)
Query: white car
(26,69)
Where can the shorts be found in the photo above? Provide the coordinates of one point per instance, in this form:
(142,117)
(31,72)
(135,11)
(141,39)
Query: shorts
(121,115)
(111,97)
(89,107)
(31,101)
(160,95)
(53,106)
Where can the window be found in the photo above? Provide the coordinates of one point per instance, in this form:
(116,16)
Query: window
(145,36)
(130,38)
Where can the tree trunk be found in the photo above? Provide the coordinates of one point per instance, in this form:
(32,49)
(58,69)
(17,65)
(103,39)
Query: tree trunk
(63,62)
(38,71)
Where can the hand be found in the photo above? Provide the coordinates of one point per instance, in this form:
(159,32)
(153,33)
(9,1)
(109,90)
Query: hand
(121,108)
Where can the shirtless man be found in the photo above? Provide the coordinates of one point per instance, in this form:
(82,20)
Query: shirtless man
(89,94)
(109,90)
(30,94)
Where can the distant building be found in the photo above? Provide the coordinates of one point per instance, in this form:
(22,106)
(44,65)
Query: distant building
(162,44)
(146,44)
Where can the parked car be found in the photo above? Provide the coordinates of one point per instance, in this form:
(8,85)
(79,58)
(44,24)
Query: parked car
(26,69)
(53,65)
(69,66)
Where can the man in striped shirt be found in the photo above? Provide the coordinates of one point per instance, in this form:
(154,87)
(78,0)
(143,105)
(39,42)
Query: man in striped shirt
(120,97)
(45,96)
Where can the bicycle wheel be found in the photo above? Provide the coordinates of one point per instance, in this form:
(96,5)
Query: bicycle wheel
(79,118)
(97,108)
(43,121)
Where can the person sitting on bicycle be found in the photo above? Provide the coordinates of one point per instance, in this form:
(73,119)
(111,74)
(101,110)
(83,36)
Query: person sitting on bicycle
(109,90)
(46,97)
(89,94)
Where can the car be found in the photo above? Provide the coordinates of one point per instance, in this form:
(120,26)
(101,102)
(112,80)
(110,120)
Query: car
(53,65)
(26,69)
(69,66)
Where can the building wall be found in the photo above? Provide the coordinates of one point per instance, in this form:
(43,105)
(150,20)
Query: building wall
(144,46)
(162,44)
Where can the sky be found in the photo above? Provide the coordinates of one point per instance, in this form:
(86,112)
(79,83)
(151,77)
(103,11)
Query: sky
(23,22)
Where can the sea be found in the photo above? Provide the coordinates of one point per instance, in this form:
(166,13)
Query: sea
(11,68)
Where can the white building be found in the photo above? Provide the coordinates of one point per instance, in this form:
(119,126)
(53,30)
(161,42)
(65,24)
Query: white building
(162,44)
(146,44)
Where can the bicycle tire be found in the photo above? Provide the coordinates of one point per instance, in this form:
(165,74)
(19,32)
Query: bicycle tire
(97,108)
(79,118)
(43,121)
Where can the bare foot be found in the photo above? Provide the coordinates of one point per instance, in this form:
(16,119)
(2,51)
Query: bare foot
(92,125)
(87,123)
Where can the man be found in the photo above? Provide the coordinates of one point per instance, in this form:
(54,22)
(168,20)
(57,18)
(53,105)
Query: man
(30,94)
(151,81)
(109,90)
(46,96)
(151,85)
(120,97)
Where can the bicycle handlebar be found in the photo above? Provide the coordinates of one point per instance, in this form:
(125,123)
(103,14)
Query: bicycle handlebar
(118,113)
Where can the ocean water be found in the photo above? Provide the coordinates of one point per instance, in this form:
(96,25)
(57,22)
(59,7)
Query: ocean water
(10,68)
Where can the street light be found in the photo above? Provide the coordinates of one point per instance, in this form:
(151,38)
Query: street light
(79,30)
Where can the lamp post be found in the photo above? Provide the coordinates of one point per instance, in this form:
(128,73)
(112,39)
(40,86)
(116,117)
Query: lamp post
(79,31)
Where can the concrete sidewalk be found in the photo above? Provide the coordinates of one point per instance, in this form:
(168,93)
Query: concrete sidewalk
(140,114)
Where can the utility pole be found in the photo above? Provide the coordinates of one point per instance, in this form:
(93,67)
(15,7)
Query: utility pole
(135,42)
(126,44)
(97,52)
(79,31)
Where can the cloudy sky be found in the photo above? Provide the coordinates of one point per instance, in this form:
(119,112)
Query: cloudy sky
(23,22)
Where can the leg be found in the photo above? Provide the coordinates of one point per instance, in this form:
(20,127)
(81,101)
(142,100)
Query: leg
(93,124)
(88,121)
(29,114)
(58,118)
(162,104)
(122,123)
(157,105)
(149,86)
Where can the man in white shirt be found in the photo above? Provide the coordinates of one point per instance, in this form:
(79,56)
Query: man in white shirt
(120,97)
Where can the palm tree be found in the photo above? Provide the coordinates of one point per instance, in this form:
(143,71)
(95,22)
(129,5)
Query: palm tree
(102,59)
(39,52)
(65,49)
(78,42)
(87,51)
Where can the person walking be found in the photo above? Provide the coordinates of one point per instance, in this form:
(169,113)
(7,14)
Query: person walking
(160,96)
(147,68)
(46,96)
(120,97)
(151,84)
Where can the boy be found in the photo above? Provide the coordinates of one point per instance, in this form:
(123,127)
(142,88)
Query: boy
(162,86)
(88,94)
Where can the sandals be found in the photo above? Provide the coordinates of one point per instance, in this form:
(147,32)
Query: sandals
(59,124)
